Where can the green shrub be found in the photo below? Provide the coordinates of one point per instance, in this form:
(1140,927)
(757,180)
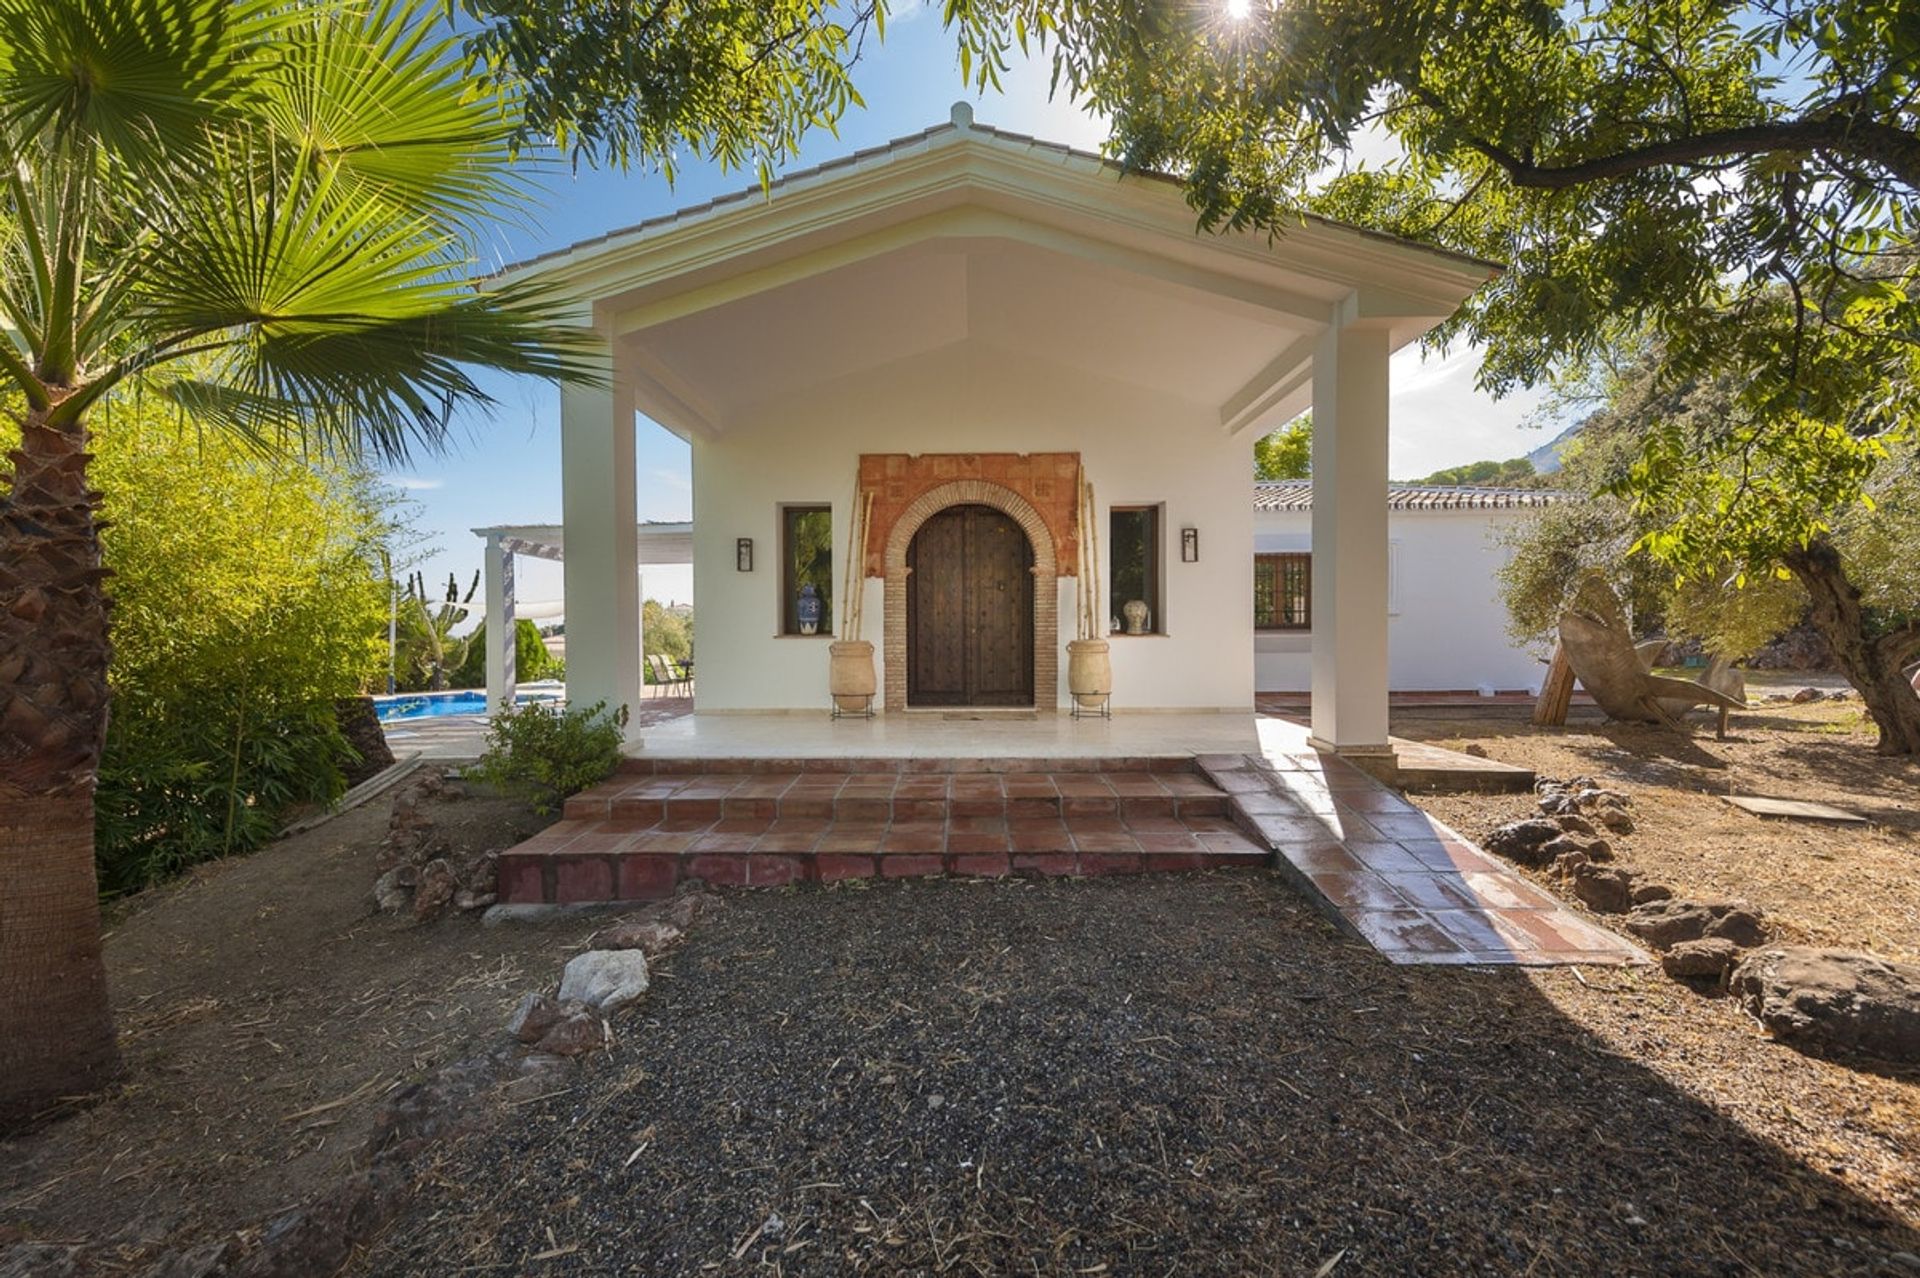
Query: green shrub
(543,754)
(245,601)
(531,660)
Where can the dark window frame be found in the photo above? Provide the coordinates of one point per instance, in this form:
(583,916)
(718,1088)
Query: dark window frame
(1153,569)
(1289,568)
(790,577)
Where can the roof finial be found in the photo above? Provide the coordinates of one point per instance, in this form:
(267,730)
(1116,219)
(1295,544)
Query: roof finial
(962,115)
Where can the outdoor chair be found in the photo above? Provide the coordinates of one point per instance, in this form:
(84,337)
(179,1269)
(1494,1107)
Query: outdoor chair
(667,677)
(1617,673)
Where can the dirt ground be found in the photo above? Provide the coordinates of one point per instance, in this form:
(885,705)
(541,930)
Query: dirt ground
(1168,1074)
(265,1009)
(1845,885)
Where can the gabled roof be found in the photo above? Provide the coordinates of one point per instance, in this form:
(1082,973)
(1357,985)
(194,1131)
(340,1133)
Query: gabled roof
(961,121)
(1297,495)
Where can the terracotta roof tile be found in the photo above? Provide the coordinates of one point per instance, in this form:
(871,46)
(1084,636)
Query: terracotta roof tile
(1297,495)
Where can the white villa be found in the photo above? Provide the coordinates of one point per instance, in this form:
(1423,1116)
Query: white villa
(961,324)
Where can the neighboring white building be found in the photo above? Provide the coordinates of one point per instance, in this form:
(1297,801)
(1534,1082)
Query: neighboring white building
(1446,626)
(962,323)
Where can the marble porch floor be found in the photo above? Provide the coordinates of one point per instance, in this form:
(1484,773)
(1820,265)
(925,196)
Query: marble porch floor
(932,734)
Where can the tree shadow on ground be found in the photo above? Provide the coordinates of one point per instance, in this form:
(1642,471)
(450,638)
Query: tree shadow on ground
(1188,1074)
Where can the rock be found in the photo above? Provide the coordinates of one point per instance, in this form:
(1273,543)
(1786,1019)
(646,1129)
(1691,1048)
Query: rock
(649,936)
(1605,889)
(690,905)
(540,1073)
(1617,820)
(1834,999)
(576,1034)
(448,1101)
(1523,841)
(536,1014)
(318,1238)
(1568,864)
(435,889)
(1592,849)
(1707,959)
(1475,749)
(1574,823)
(1645,892)
(394,889)
(606,980)
(359,721)
(1665,923)
(1805,695)
(466,900)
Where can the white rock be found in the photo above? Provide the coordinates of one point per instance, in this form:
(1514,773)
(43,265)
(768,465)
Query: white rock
(604,979)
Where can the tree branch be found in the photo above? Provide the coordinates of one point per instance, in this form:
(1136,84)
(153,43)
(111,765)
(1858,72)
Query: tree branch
(1892,148)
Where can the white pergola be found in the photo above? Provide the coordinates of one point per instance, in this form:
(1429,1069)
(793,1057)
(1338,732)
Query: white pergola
(654,543)
(970,236)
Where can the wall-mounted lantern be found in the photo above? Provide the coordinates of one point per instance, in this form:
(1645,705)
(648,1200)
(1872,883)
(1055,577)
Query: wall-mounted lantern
(1189,545)
(743,554)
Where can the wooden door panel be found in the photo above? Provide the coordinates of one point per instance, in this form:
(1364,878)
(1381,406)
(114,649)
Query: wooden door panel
(970,610)
(1000,599)
(936,612)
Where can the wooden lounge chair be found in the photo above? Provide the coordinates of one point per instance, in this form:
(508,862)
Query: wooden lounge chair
(1616,673)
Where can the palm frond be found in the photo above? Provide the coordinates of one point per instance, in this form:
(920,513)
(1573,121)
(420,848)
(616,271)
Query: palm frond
(142,79)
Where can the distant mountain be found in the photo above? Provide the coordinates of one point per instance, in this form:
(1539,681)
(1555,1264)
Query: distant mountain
(1546,458)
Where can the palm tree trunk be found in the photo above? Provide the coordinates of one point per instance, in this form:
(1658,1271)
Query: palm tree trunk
(56,1028)
(1872,665)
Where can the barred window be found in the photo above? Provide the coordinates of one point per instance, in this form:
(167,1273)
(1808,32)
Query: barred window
(1282,592)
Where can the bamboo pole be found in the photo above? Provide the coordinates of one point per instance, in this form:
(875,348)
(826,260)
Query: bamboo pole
(865,518)
(853,553)
(1096,607)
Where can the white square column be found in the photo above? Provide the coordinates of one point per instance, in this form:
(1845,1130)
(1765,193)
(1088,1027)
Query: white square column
(1350,544)
(502,678)
(602,564)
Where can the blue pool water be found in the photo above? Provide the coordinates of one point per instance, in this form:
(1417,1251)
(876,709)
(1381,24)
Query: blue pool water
(436,705)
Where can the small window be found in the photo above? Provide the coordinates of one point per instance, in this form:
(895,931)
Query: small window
(806,570)
(1282,592)
(1133,538)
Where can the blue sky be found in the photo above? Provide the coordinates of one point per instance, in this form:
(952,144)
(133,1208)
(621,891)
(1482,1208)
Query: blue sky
(504,468)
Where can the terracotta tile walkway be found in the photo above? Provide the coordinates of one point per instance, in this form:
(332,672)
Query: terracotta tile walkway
(1397,877)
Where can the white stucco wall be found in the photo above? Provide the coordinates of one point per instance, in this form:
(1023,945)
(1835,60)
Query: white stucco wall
(1446,627)
(1139,447)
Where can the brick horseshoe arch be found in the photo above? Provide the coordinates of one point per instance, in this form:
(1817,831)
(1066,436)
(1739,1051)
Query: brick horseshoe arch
(1046,583)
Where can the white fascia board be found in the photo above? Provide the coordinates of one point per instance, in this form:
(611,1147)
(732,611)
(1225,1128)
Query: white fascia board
(961,167)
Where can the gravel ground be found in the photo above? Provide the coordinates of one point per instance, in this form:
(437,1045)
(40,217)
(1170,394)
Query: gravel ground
(1163,1075)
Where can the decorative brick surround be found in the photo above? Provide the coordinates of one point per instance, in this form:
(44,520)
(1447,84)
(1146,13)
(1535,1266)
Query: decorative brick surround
(1046,583)
(899,482)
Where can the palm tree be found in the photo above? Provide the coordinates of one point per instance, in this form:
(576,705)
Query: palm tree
(263,213)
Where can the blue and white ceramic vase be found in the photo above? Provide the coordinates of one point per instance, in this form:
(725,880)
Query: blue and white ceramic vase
(807,609)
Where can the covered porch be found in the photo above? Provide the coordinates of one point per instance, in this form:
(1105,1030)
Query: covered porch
(968,316)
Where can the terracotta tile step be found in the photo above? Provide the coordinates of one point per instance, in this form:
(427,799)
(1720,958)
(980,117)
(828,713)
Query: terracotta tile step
(649,765)
(578,861)
(880,797)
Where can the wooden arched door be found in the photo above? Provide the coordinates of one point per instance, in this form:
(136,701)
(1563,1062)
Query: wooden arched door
(970,610)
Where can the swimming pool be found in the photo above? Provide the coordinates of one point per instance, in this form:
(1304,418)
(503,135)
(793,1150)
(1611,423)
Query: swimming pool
(437,705)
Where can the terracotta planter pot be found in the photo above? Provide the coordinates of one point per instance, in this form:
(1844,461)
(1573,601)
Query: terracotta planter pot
(850,673)
(1089,671)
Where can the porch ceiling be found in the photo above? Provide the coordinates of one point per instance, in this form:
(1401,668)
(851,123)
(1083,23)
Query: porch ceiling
(1089,317)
